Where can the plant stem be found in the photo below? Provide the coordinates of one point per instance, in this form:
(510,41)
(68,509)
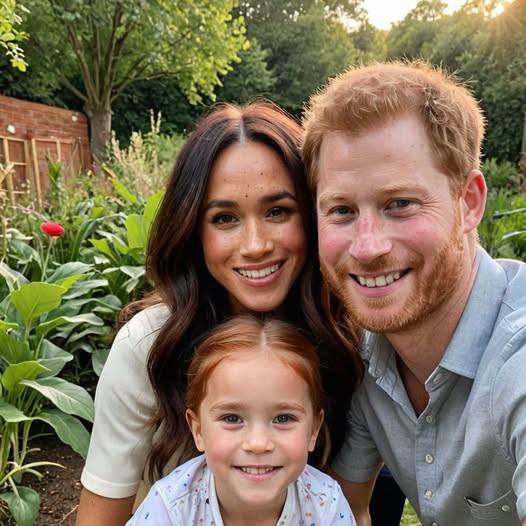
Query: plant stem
(44,267)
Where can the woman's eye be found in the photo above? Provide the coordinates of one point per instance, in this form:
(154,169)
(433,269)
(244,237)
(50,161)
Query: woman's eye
(283,419)
(279,211)
(231,419)
(223,219)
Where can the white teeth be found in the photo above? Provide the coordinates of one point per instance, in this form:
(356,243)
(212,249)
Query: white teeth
(379,281)
(261,273)
(256,471)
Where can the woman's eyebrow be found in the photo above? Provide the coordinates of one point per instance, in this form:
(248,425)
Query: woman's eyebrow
(271,198)
(220,203)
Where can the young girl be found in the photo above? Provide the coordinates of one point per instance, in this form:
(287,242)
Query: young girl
(255,408)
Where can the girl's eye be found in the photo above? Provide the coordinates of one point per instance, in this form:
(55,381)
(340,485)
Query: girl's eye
(231,419)
(223,219)
(283,419)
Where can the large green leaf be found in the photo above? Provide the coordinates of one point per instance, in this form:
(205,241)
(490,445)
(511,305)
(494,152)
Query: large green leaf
(6,325)
(136,229)
(68,270)
(47,326)
(24,506)
(68,397)
(134,272)
(152,207)
(13,278)
(103,246)
(53,357)
(124,192)
(10,413)
(34,299)
(85,287)
(12,349)
(98,359)
(15,373)
(69,430)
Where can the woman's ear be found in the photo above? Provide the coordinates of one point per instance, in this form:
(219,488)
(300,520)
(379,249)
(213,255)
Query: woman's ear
(473,200)
(195,427)
(316,426)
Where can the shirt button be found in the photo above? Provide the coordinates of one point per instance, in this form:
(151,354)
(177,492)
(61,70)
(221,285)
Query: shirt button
(429,419)
(434,523)
(429,458)
(505,507)
(428,493)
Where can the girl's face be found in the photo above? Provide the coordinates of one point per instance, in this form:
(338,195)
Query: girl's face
(251,229)
(256,425)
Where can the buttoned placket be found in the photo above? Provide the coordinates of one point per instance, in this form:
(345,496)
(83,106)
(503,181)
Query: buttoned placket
(428,476)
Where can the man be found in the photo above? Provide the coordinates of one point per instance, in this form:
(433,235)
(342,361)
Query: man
(392,152)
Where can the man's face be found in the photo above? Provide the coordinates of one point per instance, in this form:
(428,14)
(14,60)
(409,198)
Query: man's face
(391,238)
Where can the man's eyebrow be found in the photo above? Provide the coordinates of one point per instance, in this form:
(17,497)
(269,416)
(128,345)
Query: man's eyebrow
(332,196)
(266,199)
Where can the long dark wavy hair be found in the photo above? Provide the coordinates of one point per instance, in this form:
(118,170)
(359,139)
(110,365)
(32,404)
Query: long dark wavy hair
(197,302)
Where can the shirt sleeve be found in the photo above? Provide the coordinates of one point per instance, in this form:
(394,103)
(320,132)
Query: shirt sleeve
(124,404)
(152,512)
(359,458)
(508,409)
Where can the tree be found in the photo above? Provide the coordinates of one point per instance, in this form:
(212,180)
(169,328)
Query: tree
(10,35)
(110,43)
(306,42)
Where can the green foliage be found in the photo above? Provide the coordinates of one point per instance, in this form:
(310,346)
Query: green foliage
(30,390)
(10,35)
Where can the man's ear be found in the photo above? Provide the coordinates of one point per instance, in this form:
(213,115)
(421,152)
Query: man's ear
(195,427)
(473,200)
(316,426)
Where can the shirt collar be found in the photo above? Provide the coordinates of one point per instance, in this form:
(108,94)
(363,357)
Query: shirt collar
(473,332)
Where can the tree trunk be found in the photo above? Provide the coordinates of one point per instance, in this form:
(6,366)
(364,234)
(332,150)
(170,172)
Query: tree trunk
(522,162)
(100,130)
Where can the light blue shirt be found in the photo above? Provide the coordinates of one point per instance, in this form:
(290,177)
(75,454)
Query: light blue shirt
(187,497)
(462,461)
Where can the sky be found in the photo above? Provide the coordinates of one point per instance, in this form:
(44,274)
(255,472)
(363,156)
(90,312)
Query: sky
(383,12)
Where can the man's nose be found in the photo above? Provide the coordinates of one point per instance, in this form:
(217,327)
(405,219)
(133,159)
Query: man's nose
(370,239)
(256,241)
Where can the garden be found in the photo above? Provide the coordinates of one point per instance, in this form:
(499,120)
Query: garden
(68,266)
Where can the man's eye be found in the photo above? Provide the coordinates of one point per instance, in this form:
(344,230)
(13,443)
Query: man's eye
(223,219)
(231,419)
(283,419)
(341,211)
(399,204)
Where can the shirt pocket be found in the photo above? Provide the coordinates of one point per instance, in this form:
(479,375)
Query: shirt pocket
(499,511)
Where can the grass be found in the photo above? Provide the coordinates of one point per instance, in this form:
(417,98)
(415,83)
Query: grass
(409,517)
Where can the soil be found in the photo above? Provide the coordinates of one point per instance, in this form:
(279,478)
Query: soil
(59,489)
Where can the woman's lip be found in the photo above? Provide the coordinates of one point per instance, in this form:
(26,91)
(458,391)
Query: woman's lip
(262,282)
(260,266)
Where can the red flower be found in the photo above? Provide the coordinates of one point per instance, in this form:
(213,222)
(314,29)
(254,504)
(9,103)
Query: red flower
(52,229)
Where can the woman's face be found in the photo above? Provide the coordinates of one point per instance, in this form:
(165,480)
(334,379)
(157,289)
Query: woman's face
(251,228)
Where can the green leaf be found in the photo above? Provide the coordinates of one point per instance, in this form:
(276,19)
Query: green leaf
(6,325)
(98,359)
(13,278)
(68,270)
(11,414)
(34,299)
(136,231)
(103,246)
(47,326)
(85,287)
(152,207)
(24,506)
(133,272)
(12,349)
(53,357)
(124,192)
(17,372)
(70,398)
(68,429)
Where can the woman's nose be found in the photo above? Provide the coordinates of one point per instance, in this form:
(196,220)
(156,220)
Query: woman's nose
(256,241)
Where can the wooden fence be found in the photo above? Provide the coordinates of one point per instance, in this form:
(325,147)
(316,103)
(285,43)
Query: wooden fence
(29,159)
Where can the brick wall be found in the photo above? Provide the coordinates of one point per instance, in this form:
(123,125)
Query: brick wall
(49,131)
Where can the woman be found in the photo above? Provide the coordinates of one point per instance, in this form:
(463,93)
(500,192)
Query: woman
(234,234)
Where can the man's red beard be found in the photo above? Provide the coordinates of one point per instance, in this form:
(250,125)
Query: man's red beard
(429,289)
